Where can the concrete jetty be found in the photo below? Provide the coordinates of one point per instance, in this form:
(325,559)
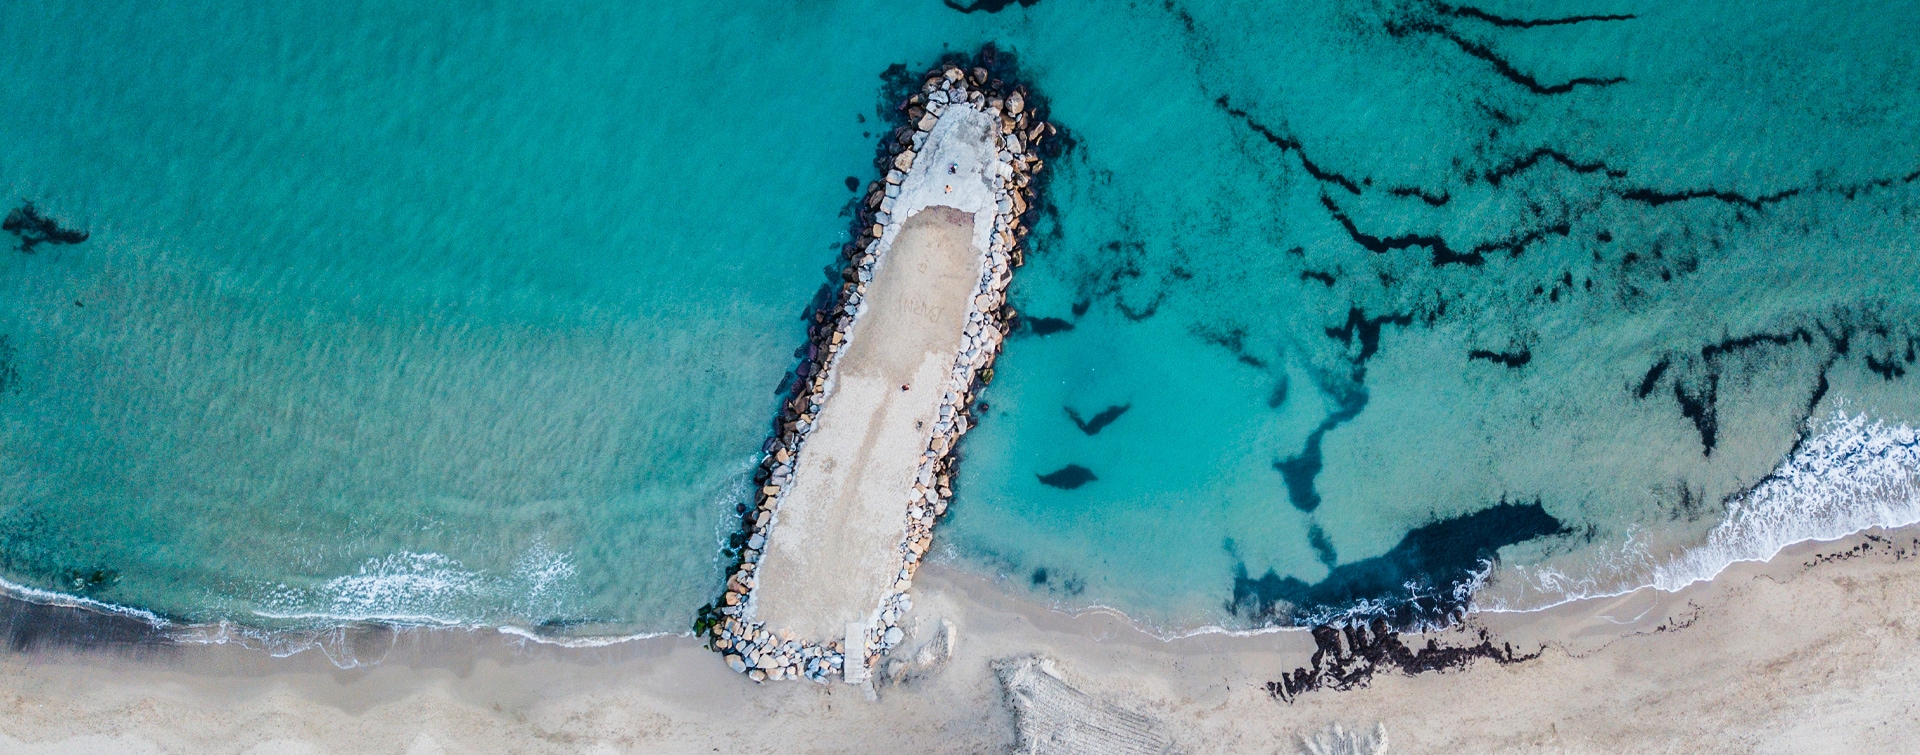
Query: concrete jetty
(860,464)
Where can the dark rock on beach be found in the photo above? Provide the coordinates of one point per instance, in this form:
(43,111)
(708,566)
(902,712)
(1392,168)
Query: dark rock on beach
(1346,658)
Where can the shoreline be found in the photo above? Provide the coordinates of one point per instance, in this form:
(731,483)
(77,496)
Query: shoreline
(1849,479)
(480,689)
(82,611)
(78,611)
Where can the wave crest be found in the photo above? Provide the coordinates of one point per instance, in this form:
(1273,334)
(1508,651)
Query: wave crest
(1853,476)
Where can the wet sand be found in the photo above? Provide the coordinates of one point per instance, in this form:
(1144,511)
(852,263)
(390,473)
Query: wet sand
(1818,650)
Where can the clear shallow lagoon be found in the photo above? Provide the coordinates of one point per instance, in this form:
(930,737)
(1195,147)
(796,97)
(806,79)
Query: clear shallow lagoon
(476,314)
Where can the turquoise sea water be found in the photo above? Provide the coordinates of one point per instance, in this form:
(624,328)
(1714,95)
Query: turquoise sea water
(475,313)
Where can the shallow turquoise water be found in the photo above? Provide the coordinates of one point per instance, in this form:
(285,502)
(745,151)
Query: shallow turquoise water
(475,314)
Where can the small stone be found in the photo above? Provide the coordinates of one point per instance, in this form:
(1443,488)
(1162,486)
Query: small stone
(1016,102)
(904,160)
(893,636)
(735,662)
(927,121)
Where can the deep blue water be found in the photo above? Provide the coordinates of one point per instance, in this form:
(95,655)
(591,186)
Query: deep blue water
(475,313)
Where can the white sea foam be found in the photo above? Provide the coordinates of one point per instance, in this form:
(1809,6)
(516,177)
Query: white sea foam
(1856,473)
(406,587)
(1853,476)
(586,642)
(51,598)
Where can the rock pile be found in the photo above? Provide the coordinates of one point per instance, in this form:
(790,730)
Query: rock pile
(749,646)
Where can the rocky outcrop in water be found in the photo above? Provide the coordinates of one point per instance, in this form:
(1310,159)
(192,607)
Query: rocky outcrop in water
(984,82)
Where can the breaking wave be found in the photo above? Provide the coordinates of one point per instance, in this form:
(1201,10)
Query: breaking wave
(1855,474)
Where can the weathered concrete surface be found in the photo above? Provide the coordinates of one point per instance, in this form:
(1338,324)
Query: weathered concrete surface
(833,554)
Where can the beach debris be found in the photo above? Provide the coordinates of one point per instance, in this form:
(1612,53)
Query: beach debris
(1052,716)
(980,82)
(1346,658)
(1335,740)
(929,659)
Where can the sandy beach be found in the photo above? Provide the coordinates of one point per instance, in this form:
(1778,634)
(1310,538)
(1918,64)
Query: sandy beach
(1813,651)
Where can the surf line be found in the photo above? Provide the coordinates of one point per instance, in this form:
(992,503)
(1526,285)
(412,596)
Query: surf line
(861,462)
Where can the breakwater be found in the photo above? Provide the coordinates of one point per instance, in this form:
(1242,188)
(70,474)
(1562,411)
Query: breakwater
(861,462)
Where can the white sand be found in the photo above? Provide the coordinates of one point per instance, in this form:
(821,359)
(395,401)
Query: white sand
(1778,657)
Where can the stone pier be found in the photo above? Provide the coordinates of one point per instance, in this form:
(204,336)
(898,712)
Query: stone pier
(859,467)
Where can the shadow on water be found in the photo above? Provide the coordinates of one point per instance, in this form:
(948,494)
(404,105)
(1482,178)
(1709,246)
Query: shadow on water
(1412,583)
(1068,477)
(1046,326)
(1099,421)
(30,627)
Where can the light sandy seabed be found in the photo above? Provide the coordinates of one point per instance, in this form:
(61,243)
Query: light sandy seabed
(1777,657)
